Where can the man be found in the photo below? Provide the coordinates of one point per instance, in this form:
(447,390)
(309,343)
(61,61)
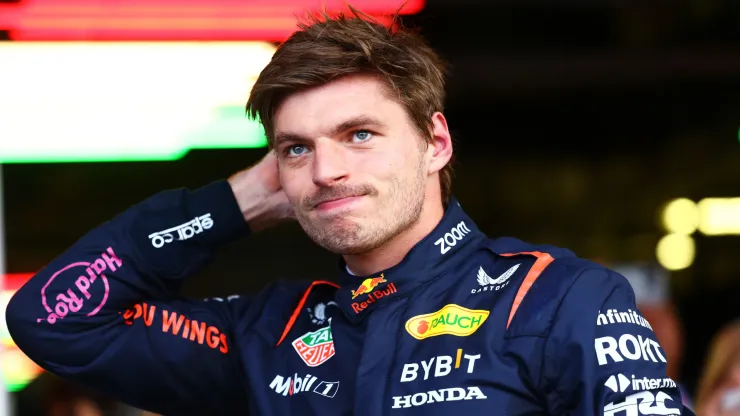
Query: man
(430,316)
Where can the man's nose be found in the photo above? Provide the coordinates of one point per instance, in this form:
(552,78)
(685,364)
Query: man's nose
(330,164)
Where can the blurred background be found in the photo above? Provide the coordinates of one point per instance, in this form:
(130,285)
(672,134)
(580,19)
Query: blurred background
(608,127)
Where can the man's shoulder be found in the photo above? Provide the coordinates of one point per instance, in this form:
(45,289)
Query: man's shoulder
(554,266)
(554,275)
(562,264)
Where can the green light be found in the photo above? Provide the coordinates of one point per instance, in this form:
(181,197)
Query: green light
(228,128)
(13,387)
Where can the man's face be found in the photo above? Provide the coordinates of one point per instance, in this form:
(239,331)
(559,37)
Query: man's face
(352,164)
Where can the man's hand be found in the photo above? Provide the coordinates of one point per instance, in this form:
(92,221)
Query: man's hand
(260,196)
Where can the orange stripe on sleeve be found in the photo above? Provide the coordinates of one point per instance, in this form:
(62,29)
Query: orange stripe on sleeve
(543,260)
(298,308)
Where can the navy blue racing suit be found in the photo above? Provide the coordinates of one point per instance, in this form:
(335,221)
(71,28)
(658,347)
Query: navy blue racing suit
(463,325)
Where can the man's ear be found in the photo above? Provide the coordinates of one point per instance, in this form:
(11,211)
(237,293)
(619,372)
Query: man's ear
(441,145)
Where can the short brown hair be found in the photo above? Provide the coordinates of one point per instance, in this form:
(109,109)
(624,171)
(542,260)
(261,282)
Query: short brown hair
(325,48)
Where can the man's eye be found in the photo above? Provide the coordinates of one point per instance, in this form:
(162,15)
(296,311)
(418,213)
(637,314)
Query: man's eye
(361,136)
(295,150)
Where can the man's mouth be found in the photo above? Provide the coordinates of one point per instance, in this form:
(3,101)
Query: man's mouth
(331,203)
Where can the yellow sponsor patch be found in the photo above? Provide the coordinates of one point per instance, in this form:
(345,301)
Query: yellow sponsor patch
(450,320)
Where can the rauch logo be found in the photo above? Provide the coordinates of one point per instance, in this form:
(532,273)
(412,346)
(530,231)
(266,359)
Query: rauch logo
(450,320)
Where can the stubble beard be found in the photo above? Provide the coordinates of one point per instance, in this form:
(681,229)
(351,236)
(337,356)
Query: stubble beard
(399,210)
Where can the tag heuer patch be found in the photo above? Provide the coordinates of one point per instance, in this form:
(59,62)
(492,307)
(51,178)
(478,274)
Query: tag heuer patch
(316,347)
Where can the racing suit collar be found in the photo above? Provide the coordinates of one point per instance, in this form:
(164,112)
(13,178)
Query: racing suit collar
(451,240)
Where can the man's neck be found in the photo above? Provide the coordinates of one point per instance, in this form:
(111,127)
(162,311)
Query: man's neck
(392,252)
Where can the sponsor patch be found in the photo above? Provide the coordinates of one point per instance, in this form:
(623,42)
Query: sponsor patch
(318,312)
(643,403)
(437,396)
(488,283)
(86,293)
(289,386)
(621,383)
(182,232)
(627,347)
(177,324)
(373,297)
(439,366)
(452,237)
(316,347)
(450,320)
(614,316)
(368,285)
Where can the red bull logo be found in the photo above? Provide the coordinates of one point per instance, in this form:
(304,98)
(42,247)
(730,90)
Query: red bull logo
(374,296)
(368,285)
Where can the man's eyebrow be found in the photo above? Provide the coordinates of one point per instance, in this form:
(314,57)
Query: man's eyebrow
(287,137)
(356,122)
(349,124)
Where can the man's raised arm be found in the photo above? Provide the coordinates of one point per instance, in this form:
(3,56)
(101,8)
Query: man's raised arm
(106,312)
